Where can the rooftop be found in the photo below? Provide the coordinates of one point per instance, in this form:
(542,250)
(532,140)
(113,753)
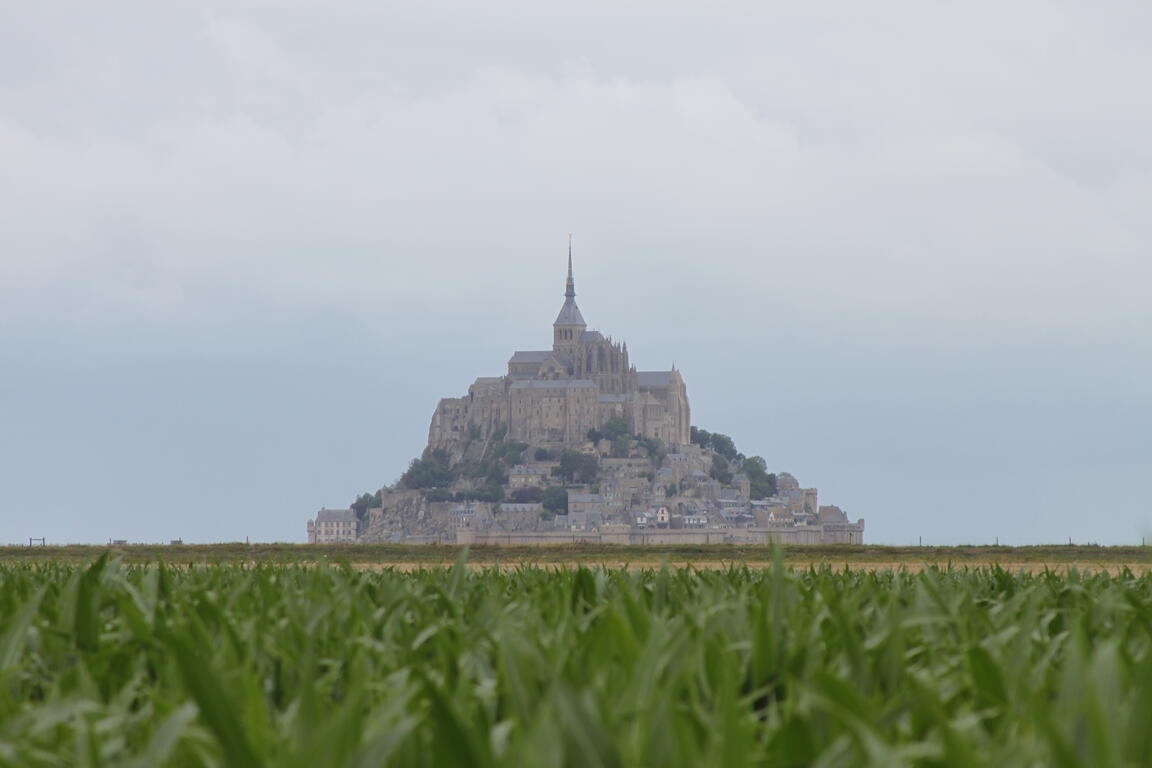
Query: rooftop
(554,384)
(530,356)
(570,314)
(654,378)
(336,516)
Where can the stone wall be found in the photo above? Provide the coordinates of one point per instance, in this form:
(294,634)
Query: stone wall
(552,412)
(850,533)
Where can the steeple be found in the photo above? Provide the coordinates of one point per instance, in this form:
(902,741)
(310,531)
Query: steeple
(569,325)
(570,288)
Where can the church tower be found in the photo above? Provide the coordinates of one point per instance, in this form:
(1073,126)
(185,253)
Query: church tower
(569,325)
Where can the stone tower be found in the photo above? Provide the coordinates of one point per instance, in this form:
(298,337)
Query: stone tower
(569,326)
(554,397)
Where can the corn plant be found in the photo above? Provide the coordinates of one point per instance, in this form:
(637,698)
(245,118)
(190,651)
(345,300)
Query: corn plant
(109,664)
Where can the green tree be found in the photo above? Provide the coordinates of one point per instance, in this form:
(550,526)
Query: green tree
(724,446)
(763,484)
(492,493)
(543,454)
(720,470)
(755,466)
(473,468)
(700,437)
(576,467)
(496,474)
(655,448)
(621,447)
(527,496)
(616,428)
(486,493)
(361,505)
(431,471)
(555,499)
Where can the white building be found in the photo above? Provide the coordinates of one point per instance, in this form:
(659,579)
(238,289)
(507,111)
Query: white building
(332,526)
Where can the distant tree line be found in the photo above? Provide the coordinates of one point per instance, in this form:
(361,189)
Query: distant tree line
(762,482)
(434,474)
(721,444)
(364,502)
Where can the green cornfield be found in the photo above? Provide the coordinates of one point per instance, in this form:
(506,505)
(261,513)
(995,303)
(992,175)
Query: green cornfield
(109,664)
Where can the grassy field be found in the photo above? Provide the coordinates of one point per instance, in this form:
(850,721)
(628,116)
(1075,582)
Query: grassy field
(399,554)
(114,664)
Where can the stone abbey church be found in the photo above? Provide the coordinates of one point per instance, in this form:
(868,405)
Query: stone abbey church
(553,397)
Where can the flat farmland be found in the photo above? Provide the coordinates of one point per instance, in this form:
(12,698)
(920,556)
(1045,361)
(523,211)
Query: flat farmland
(1031,558)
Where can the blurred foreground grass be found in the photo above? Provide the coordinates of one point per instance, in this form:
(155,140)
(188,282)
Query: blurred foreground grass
(109,663)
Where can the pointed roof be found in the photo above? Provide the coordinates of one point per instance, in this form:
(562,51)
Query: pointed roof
(570,313)
(530,355)
(570,285)
(336,516)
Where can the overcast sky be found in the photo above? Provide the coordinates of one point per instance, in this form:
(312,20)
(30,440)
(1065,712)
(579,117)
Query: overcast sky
(900,249)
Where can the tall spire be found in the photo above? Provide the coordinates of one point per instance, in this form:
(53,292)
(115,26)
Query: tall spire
(570,287)
(570,316)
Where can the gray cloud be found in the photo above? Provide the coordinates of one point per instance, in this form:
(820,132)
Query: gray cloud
(916,233)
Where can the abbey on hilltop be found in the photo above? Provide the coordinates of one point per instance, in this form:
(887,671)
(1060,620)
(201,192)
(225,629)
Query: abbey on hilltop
(573,444)
(554,397)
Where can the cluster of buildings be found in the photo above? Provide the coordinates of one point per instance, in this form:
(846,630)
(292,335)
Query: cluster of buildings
(634,501)
(654,486)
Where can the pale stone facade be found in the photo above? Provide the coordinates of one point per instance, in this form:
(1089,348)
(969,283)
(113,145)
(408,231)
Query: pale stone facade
(555,397)
(333,526)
